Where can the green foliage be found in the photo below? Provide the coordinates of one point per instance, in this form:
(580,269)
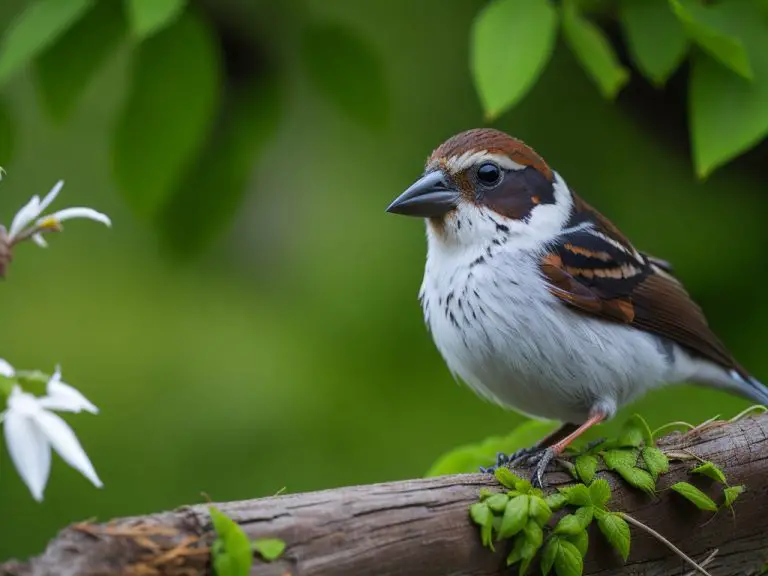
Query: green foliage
(36,28)
(634,432)
(515,516)
(150,16)
(231,553)
(586,467)
(616,459)
(482,515)
(63,70)
(731,493)
(655,461)
(214,188)
(593,51)
(616,531)
(156,138)
(709,470)
(693,494)
(655,37)
(471,457)
(599,493)
(348,71)
(511,43)
(270,549)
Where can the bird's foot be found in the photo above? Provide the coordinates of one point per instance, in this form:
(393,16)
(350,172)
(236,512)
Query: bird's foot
(540,460)
(503,459)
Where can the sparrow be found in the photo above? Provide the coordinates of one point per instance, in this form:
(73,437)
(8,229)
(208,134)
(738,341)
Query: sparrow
(541,305)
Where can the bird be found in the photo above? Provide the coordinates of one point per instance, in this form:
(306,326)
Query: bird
(543,306)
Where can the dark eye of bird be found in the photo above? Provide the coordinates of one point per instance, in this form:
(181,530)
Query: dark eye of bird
(489,174)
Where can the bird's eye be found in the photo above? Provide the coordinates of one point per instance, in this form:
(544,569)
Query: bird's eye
(489,174)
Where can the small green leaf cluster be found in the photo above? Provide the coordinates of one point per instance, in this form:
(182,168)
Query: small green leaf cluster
(522,515)
(699,498)
(633,455)
(232,552)
(512,42)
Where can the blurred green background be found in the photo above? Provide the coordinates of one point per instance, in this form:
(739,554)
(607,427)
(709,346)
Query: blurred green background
(238,345)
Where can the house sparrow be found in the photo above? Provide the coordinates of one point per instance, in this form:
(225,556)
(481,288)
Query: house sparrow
(540,304)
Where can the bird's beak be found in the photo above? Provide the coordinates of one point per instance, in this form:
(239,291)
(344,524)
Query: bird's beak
(428,197)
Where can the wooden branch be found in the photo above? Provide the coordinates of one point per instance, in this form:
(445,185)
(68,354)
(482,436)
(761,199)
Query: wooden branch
(421,527)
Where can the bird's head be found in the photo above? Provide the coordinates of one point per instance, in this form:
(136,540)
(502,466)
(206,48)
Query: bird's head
(482,180)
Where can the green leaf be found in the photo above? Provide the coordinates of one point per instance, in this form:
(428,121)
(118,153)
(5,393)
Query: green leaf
(548,555)
(348,72)
(163,125)
(731,493)
(615,459)
(485,493)
(539,510)
(231,552)
(655,460)
(37,27)
(586,467)
(568,560)
(571,524)
(506,477)
(580,540)
(534,536)
(599,492)
(248,118)
(150,16)
(638,478)
(616,531)
(497,502)
(556,501)
(705,27)
(593,50)
(511,43)
(516,554)
(655,38)
(269,549)
(470,457)
(482,516)
(634,432)
(515,517)
(709,470)
(690,492)
(577,495)
(523,486)
(63,70)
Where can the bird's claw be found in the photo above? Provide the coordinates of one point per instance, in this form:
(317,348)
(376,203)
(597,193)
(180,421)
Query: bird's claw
(539,458)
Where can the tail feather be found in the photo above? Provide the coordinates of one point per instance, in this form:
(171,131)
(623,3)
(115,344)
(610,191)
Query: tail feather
(750,387)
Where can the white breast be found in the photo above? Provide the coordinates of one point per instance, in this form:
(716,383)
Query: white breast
(500,330)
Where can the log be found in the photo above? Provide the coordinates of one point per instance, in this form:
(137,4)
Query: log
(421,527)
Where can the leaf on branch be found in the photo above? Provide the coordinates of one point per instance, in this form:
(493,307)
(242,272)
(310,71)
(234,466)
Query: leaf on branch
(62,71)
(164,125)
(731,493)
(637,478)
(482,516)
(506,477)
(539,510)
(37,27)
(572,524)
(728,114)
(708,28)
(599,493)
(616,531)
(655,38)
(148,17)
(586,467)
(270,549)
(346,70)
(693,494)
(231,551)
(568,560)
(511,44)
(580,540)
(556,501)
(709,470)
(593,50)
(497,502)
(515,516)
(577,495)
(616,459)
(634,432)
(655,460)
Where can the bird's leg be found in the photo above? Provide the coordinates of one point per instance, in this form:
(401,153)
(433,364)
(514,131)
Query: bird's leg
(543,457)
(519,455)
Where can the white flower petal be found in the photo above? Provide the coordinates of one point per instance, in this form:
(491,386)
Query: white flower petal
(64,441)
(78,212)
(27,444)
(6,369)
(62,396)
(39,240)
(51,196)
(27,214)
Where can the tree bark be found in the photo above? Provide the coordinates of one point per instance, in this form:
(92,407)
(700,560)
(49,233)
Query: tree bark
(421,527)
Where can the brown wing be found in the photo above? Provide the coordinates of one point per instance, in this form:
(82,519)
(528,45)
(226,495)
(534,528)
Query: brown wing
(591,272)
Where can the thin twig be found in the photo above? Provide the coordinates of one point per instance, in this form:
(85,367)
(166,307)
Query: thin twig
(667,543)
(704,563)
(757,408)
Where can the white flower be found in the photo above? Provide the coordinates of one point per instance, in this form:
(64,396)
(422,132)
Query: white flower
(29,222)
(31,430)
